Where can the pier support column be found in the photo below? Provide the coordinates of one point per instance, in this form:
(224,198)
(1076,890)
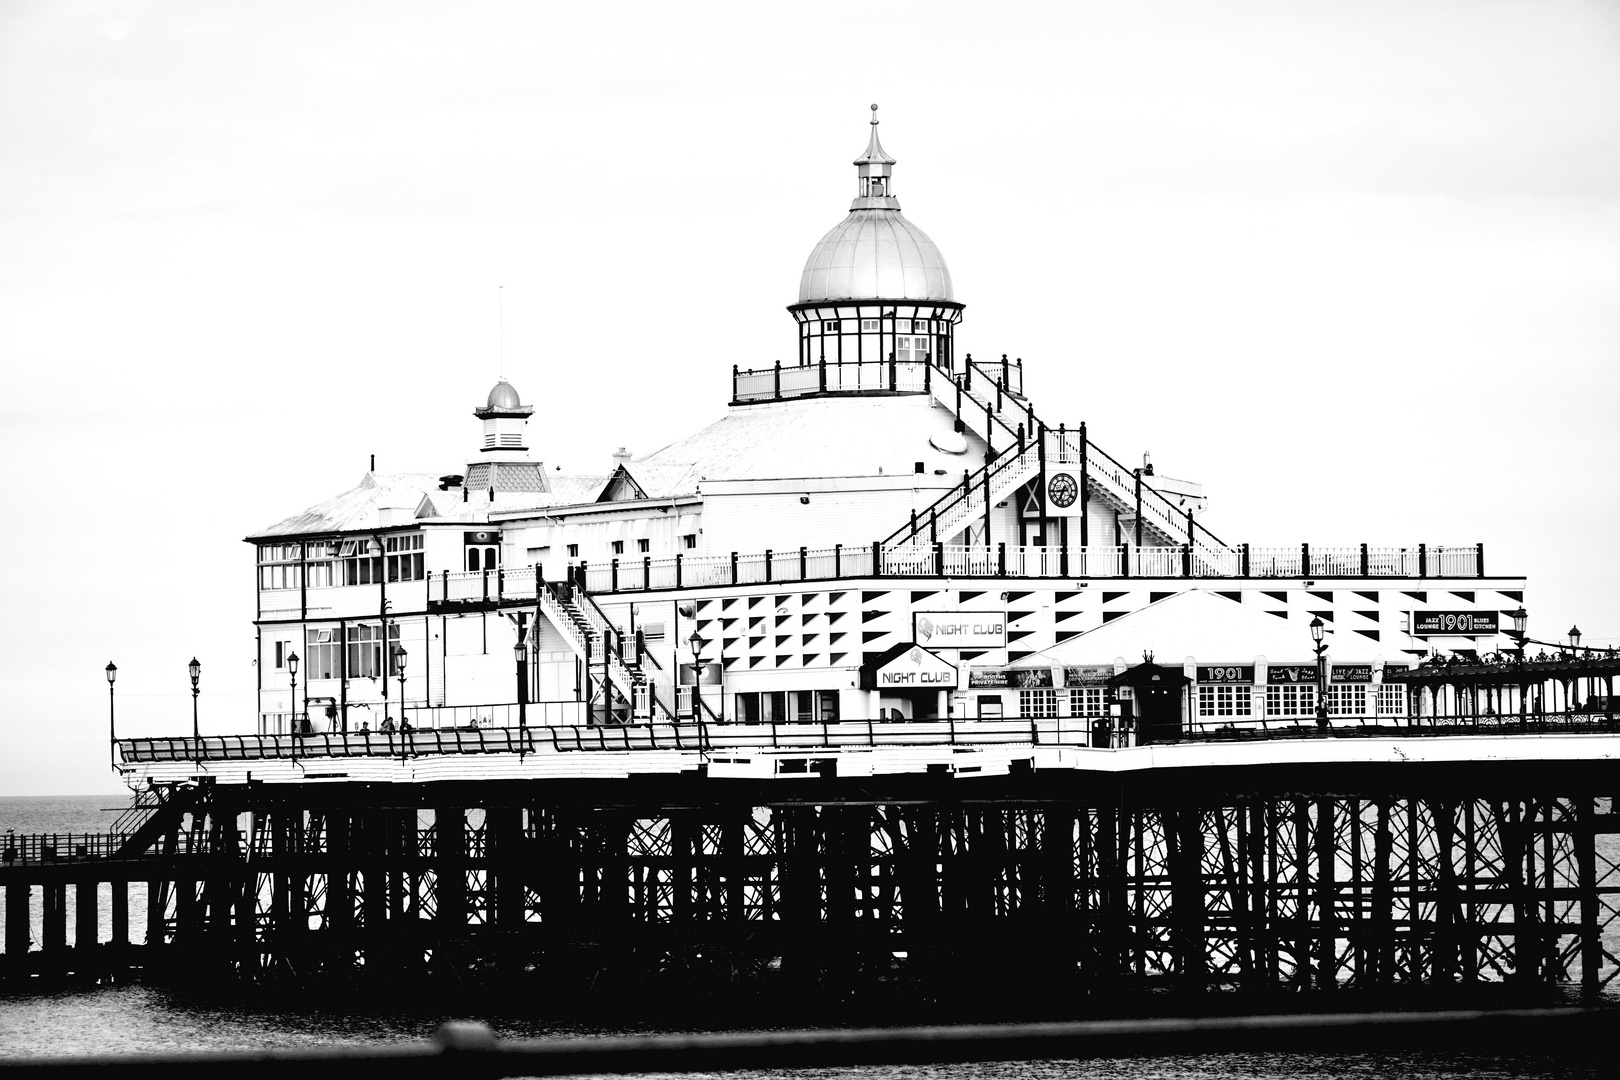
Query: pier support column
(120,914)
(54,913)
(18,934)
(86,920)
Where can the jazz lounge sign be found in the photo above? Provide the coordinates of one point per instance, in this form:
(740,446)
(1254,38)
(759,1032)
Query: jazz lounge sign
(960,629)
(908,667)
(1441,623)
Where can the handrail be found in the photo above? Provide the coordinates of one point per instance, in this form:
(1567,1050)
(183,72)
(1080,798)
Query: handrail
(598,621)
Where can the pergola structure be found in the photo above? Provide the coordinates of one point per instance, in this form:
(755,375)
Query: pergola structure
(1568,685)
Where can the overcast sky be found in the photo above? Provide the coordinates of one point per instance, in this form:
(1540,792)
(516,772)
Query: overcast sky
(1353,266)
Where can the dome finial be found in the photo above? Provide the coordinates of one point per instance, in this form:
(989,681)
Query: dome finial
(874,115)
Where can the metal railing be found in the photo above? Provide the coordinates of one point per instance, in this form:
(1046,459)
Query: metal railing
(919,558)
(35,848)
(778,383)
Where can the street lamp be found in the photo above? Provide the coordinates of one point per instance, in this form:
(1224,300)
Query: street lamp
(196,736)
(292,702)
(399,669)
(1575,638)
(697,643)
(1520,619)
(520,653)
(112,730)
(1318,630)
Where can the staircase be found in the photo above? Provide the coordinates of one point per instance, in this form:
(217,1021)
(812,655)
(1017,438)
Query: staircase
(150,817)
(639,694)
(989,402)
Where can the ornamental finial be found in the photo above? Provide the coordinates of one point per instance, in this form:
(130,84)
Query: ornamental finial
(874,115)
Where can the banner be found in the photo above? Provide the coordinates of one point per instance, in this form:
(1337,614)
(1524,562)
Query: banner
(1230,673)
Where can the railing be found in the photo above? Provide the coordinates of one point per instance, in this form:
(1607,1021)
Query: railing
(33,848)
(778,383)
(847,734)
(914,559)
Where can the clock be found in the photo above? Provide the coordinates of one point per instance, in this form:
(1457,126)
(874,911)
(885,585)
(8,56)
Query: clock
(1063,490)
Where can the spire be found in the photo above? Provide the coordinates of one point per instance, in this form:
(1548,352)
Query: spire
(875,169)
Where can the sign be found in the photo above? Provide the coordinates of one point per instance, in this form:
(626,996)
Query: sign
(1089,675)
(1440,623)
(1351,673)
(914,669)
(987,678)
(711,674)
(1231,673)
(960,629)
(1278,674)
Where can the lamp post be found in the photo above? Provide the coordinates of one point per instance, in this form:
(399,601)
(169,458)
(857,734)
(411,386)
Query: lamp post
(112,727)
(399,669)
(1318,630)
(1520,619)
(697,643)
(292,702)
(196,735)
(1575,639)
(520,653)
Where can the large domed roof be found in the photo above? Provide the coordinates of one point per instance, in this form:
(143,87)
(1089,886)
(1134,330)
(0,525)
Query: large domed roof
(875,253)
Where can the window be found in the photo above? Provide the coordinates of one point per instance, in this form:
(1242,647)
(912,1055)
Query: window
(1087,701)
(1037,703)
(690,541)
(365,653)
(1291,699)
(405,558)
(1225,700)
(871,325)
(281,653)
(989,708)
(1391,700)
(573,551)
(1347,699)
(644,545)
(829,326)
(279,566)
(618,547)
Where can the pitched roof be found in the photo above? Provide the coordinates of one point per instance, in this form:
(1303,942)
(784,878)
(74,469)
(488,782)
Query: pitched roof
(1207,627)
(359,508)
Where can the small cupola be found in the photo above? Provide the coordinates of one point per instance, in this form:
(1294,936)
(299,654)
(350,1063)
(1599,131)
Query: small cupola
(875,170)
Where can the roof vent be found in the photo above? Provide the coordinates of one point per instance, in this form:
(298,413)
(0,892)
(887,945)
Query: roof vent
(451,481)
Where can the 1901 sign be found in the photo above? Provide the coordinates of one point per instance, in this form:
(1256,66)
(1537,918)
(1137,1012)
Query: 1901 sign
(1438,623)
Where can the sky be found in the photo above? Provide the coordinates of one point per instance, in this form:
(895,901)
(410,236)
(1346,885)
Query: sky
(1354,266)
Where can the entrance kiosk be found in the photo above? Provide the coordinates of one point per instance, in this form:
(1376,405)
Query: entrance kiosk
(1157,700)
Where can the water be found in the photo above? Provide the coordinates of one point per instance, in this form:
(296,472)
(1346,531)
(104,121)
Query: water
(138,1019)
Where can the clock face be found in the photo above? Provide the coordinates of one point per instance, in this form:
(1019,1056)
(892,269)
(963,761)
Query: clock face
(1063,490)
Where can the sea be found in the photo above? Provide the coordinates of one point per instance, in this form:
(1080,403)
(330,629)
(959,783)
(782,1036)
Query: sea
(136,1019)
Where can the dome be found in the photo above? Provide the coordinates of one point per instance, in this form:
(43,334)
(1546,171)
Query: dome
(875,254)
(503,397)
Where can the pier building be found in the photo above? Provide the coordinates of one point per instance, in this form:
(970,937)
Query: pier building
(889,680)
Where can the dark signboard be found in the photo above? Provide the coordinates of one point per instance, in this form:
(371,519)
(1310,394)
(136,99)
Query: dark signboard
(1351,673)
(1089,675)
(987,678)
(1227,673)
(1277,674)
(1440,623)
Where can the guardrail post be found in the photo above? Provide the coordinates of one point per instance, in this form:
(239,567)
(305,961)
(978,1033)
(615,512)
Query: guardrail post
(928,372)
(1063,558)
(1423,560)
(1085,488)
(958,406)
(894,381)
(735,397)
(734,568)
(1138,507)
(822,365)
(933,524)
(1125,559)
(1479,560)
(677,569)
(838,560)
(1003,382)
(776,388)
(1365,562)
(500,583)
(1020,436)
(1243,558)
(1305,560)
(989,430)
(646,571)
(613,575)
(877,558)
(913,523)
(1001,558)
(1186,560)
(967,373)
(804,563)
(939,559)
(767,564)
